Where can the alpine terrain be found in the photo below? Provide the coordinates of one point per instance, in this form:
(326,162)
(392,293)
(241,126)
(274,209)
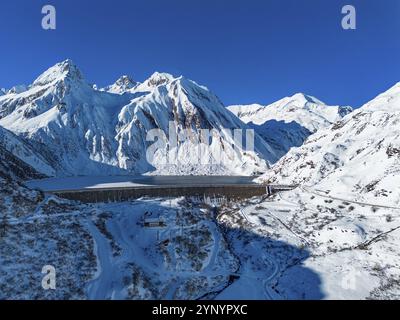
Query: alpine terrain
(80,130)
(346,207)
(329,228)
(288,122)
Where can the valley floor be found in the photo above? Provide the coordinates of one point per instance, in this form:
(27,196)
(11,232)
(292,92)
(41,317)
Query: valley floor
(295,245)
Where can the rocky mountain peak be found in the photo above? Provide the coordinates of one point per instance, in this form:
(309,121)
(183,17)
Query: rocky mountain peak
(59,72)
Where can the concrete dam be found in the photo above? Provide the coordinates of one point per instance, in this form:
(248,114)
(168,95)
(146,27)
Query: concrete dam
(125,188)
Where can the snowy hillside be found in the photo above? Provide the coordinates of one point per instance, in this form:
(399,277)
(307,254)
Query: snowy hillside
(288,122)
(346,210)
(321,246)
(12,167)
(281,136)
(18,158)
(358,155)
(284,247)
(34,232)
(82,130)
(104,251)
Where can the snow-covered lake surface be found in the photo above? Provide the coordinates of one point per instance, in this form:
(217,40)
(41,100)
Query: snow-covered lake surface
(109,182)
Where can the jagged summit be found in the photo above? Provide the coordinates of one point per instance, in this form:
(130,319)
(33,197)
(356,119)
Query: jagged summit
(18,89)
(83,129)
(124,84)
(126,81)
(14,90)
(59,72)
(159,78)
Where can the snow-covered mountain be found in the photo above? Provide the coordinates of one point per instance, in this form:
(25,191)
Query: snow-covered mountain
(281,136)
(123,85)
(305,110)
(335,237)
(359,155)
(346,208)
(2,91)
(68,122)
(82,131)
(288,122)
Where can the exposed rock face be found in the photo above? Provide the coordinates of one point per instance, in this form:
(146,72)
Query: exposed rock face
(81,130)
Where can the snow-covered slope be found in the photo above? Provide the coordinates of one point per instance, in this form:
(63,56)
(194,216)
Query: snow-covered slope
(346,209)
(71,124)
(37,230)
(12,167)
(82,131)
(18,158)
(288,122)
(305,110)
(2,91)
(281,136)
(104,252)
(190,108)
(358,156)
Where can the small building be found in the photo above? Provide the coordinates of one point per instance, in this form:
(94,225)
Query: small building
(154,223)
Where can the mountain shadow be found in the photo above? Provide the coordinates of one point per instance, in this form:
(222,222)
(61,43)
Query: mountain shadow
(269,269)
(281,136)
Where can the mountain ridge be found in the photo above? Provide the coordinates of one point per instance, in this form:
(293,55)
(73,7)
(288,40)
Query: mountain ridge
(340,157)
(84,130)
(288,122)
(304,109)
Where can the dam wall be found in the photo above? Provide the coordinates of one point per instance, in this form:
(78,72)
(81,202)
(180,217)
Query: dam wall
(230,192)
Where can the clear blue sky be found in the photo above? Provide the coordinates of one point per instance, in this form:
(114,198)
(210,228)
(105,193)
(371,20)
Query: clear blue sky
(244,50)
